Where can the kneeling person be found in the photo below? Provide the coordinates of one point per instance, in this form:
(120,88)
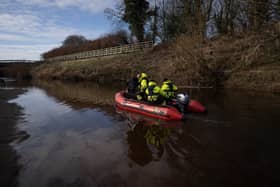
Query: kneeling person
(168,90)
(142,85)
(132,87)
(153,93)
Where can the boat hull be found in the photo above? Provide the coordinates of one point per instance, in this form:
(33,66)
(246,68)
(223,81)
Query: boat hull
(160,112)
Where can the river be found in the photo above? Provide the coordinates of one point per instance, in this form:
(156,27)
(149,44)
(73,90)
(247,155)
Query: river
(56,134)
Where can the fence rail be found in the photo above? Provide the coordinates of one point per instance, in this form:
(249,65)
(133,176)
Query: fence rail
(129,48)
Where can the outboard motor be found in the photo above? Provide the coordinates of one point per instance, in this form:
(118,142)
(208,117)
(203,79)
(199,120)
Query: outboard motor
(182,101)
(183,98)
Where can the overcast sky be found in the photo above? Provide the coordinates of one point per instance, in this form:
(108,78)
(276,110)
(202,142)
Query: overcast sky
(30,27)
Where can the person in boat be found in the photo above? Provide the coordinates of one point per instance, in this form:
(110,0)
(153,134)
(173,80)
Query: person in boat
(167,90)
(132,87)
(142,85)
(153,93)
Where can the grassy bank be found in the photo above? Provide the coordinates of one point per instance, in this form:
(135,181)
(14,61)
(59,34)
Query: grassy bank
(224,61)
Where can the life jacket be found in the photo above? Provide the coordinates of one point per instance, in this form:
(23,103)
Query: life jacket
(152,92)
(168,89)
(143,82)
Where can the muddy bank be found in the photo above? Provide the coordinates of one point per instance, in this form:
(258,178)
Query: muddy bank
(9,115)
(256,80)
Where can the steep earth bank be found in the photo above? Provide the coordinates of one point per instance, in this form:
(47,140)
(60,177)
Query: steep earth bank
(245,61)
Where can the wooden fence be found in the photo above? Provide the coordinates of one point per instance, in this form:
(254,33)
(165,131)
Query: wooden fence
(129,48)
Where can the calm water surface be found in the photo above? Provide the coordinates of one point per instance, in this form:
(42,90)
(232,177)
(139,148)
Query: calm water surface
(72,136)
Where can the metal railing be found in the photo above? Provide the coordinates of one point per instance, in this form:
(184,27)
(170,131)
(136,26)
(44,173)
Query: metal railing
(129,48)
(17,61)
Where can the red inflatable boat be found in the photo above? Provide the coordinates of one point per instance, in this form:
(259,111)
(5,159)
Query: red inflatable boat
(155,111)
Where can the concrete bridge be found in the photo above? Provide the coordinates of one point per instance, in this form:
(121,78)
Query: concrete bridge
(17,61)
(4,81)
(19,69)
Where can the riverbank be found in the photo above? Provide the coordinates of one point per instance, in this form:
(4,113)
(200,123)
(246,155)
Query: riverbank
(247,61)
(9,115)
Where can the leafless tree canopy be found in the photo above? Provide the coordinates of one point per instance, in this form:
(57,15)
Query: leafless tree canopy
(167,19)
(74,40)
(209,17)
(73,44)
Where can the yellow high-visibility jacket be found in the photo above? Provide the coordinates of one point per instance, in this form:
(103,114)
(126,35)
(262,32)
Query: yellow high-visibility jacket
(143,82)
(168,89)
(153,91)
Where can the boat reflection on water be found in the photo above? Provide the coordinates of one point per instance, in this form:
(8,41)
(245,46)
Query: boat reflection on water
(147,137)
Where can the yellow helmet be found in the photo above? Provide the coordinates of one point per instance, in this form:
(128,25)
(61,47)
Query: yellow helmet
(142,75)
(152,83)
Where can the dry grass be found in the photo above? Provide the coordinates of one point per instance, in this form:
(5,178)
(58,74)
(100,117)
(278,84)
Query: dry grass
(222,61)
